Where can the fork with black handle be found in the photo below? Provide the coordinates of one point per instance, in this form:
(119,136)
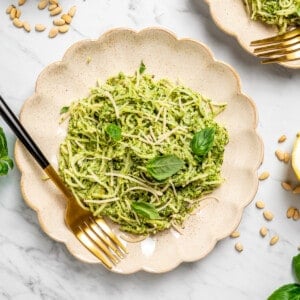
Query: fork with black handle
(92,232)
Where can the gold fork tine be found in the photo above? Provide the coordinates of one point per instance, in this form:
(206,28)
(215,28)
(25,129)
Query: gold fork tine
(110,233)
(277,46)
(105,238)
(102,246)
(86,242)
(283,58)
(274,53)
(282,37)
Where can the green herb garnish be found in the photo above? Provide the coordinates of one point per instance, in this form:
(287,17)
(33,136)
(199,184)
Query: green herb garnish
(142,68)
(114,131)
(289,291)
(6,162)
(165,166)
(64,109)
(203,141)
(146,210)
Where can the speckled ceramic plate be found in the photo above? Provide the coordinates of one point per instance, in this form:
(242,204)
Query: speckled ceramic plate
(165,56)
(231,17)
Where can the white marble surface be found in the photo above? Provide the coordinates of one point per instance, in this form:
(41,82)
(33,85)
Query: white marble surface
(32,266)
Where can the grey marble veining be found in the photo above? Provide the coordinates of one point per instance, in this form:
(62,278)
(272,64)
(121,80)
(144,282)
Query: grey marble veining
(33,266)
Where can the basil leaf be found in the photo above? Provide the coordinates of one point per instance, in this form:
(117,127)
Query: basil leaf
(296,266)
(114,131)
(203,141)
(162,167)
(6,162)
(287,292)
(145,209)
(142,68)
(64,110)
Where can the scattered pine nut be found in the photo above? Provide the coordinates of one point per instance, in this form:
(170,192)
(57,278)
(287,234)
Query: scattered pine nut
(21,2)
(260,204)
(63,28)
(287,157)
(18,23)
(235,234)
(296,215)
(9,8)
(56,11)
(282,139)
(27,26)
(264,175)
(53,32)
(296,190)
(67,18)
(52,7)
(53,2)
(13,13)
(59,22)
(18,13)
(279,154)
(72,11)
(263,231)
(268,215)
(286,186)
(40,27)
(239,247)
(42,4)
(274,240)
(290,212)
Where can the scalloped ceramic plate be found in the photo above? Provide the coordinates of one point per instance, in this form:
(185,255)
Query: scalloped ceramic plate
(168,57)
(231,17)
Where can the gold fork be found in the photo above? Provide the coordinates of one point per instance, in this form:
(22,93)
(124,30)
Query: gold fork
(280,48)
(91,231)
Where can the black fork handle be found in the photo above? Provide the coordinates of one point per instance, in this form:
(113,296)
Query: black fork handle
(15,125)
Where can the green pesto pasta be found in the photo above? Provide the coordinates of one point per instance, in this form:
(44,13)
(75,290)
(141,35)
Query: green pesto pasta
(129,153)
(281,13)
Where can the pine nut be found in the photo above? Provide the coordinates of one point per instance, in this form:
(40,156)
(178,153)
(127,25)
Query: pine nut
(59,22)
(53,2)
(42,4)
(260,204)
(17,23)
(56,11)
(72,11)
(296,190)
(290,212)
(67,18)
(279,154)
(264,175)
(286,186)
(27,26)
(9,8)
(235,234)
(263,231)
(13,13)
(21,2)
(296,215)
(274,240)
(282,139)
(40,27)
(287,157)
(63,28)
(52,6)
(18,13)
(239,247)
(53,32)
(268,215)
